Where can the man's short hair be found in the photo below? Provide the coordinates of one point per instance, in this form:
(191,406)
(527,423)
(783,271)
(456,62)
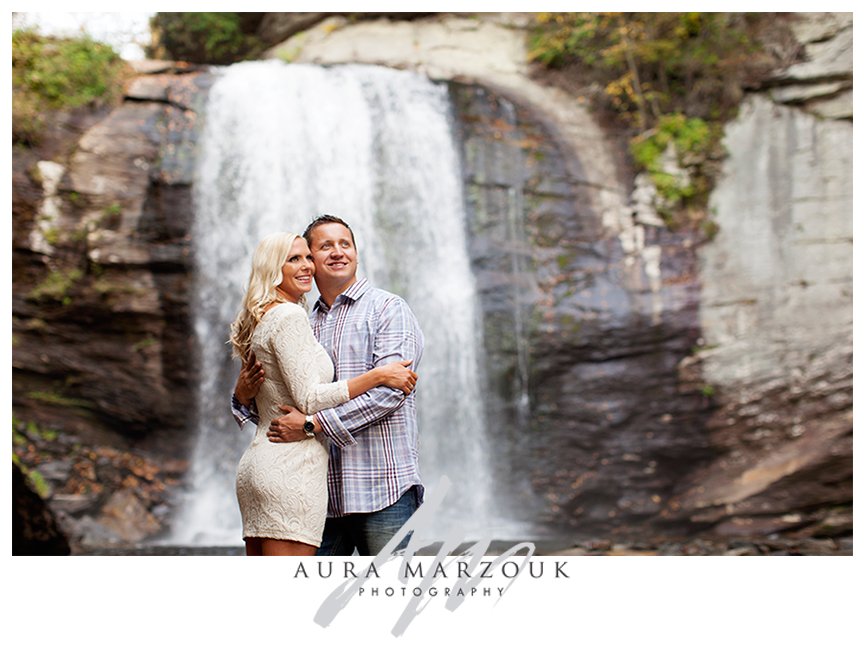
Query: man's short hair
(325,218)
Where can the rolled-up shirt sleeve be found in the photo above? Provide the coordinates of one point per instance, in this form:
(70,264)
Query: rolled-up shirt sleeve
(397,337)
(242,413)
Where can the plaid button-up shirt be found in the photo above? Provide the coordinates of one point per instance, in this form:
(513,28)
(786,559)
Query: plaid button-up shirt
(374,437)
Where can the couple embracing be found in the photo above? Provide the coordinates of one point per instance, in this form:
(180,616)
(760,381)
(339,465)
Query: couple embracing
(333,465)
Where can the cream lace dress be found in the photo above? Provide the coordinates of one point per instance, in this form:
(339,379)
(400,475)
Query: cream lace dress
(282,486)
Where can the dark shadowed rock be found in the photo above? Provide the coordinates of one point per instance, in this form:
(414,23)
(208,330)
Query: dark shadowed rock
(591,422)
(276,27)
(111,337)
(34,527)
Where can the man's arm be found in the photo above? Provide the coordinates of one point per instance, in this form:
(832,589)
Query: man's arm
(397,337)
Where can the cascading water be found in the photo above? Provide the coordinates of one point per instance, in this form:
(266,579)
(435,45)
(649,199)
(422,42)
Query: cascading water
(283,143)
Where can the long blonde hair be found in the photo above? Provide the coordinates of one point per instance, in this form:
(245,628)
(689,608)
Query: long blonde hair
(266,275)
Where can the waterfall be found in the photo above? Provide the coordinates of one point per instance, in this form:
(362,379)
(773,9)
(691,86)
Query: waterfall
(283,143)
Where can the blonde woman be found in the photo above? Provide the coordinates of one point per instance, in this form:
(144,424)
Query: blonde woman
(282,488)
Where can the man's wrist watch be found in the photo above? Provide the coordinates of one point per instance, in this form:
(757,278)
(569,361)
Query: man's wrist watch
(309,427)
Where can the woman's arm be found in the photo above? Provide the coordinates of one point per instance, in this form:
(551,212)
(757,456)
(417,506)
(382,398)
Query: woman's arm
(396,375)
(296,351)
(397,336)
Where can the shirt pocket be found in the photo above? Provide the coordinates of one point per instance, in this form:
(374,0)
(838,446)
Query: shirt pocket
(358,344)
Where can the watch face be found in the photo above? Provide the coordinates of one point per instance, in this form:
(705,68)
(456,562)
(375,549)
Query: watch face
(309,427)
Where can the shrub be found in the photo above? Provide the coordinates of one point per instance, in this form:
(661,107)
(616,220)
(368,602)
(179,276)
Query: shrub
(695,144)
(651,64)
(56,286)
(672,79)
(201,37)
(55,73)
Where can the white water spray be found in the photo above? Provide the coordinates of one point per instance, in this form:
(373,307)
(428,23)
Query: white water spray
(282,144)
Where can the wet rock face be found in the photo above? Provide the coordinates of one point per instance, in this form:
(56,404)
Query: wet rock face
(102,340)
(665,383)
(776,316)
(101,270)
(642,380)
(592,426)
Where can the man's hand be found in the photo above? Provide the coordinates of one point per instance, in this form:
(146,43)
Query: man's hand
(250,380)
(288,427)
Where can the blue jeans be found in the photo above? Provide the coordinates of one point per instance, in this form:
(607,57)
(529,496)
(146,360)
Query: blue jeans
(368,532)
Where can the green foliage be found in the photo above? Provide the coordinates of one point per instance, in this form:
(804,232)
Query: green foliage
(144,343)
(709,228)
(22,435)
(37,481)
(651,64)
(56,73)
(694,143)
(288,56)
(34,431)
(18,438)
(52,235)
(563,261)
(56,286)
(58,400)
(79,235)
(202,37)
(28,118)
(672,78)
(113,210)
(40,485)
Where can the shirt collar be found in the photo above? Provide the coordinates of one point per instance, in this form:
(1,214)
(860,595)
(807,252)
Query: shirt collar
(356,290)
(352,293)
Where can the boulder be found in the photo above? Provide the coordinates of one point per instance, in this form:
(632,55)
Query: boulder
(126,516)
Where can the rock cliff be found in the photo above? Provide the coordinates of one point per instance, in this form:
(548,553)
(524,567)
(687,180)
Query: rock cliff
(102,342)
(776,302)
(643,382)
(659,382)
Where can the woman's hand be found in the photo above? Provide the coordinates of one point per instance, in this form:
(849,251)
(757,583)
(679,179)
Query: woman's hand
(397,375)
(250,380)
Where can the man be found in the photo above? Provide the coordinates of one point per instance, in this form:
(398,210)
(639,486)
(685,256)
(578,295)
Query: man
(373,478)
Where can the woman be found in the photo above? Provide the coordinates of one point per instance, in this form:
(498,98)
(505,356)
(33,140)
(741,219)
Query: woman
(282,487)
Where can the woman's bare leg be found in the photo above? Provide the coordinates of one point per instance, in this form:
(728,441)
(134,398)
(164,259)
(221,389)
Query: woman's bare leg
(253,546)
(285,547)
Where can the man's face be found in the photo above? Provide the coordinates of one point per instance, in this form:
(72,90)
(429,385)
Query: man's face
(334,254)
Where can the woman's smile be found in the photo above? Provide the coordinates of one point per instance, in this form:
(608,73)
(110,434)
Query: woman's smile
(297,271)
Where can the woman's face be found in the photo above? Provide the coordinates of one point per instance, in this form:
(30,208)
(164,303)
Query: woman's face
(298,270)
